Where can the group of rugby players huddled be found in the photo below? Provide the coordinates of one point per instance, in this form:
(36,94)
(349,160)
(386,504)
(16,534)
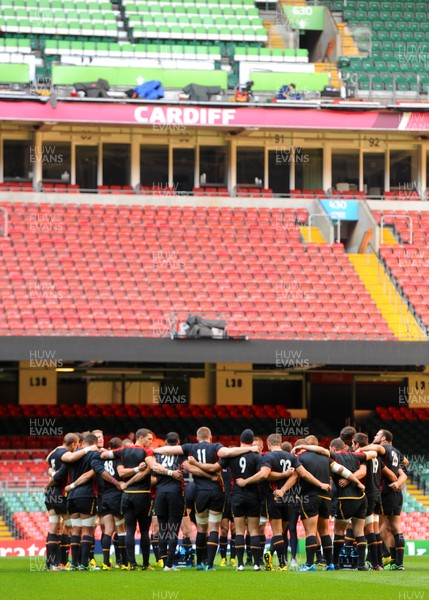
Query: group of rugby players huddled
(164,489)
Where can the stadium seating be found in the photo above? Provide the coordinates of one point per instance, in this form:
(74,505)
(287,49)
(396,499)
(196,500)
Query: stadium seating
(408,263)
(31,519)
(218,21)
(278,287)
(59,17)
(397,34)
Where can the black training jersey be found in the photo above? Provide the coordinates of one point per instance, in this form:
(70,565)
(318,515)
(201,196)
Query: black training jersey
(279,461)
(83,465)
(319,466)
(227,480)
(352,462)
(130,458)
(165,482)
(392,460)
(243,467)
(204,452)
(111,466)
(373,476)
(56,463)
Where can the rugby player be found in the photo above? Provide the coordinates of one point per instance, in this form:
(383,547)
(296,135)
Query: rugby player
(82,497)
(391,497)
(209,494)
(276,464)
(169,501)
(135,464)
(314,505)
(55,502)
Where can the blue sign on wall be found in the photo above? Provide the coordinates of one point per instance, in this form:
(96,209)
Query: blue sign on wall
(344,210)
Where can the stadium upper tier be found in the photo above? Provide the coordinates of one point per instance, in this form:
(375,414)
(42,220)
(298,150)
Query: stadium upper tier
(121,270)
(398,33)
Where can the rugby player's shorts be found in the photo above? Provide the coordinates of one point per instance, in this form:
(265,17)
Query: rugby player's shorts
(140,503)
(278,509)
(110,503)
(227,512)
(169,504)
(209,500)
(83,506)
(311,505)
(391,503)
(190,495)
(348,509)
(374,504)
(245,505)
(56,502)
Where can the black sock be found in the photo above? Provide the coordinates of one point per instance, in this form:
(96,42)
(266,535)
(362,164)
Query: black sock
(87,543)
(239,546)
(279,547)
(338,544)
(201,545)
(52,540)
(64,549)
(372,549)
(256,549)
(154,540)
(232,550)
(327,548)
(384,549)
(318,553)
(75,549)
(399,547)
(118,557)
(212,545)
(361,547)
(105,545)
(262,541)
(187,544)
(350,537)
(248,548)
(393,553)
(122,549)
(91,552)
(378,547)
(223,543)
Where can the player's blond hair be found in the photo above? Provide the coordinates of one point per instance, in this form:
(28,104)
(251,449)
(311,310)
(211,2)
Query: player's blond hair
(203,433)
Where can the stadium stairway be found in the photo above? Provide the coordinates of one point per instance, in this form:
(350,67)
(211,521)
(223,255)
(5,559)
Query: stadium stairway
(331,68)
(417,495)
(387,299)
(312,235)
(347,43)
(387,237)
(5,533)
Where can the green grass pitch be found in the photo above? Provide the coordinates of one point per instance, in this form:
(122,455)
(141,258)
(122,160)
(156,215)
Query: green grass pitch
(23,579)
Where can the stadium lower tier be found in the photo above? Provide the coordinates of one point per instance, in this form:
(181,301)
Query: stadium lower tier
(125,270)
(31,519)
